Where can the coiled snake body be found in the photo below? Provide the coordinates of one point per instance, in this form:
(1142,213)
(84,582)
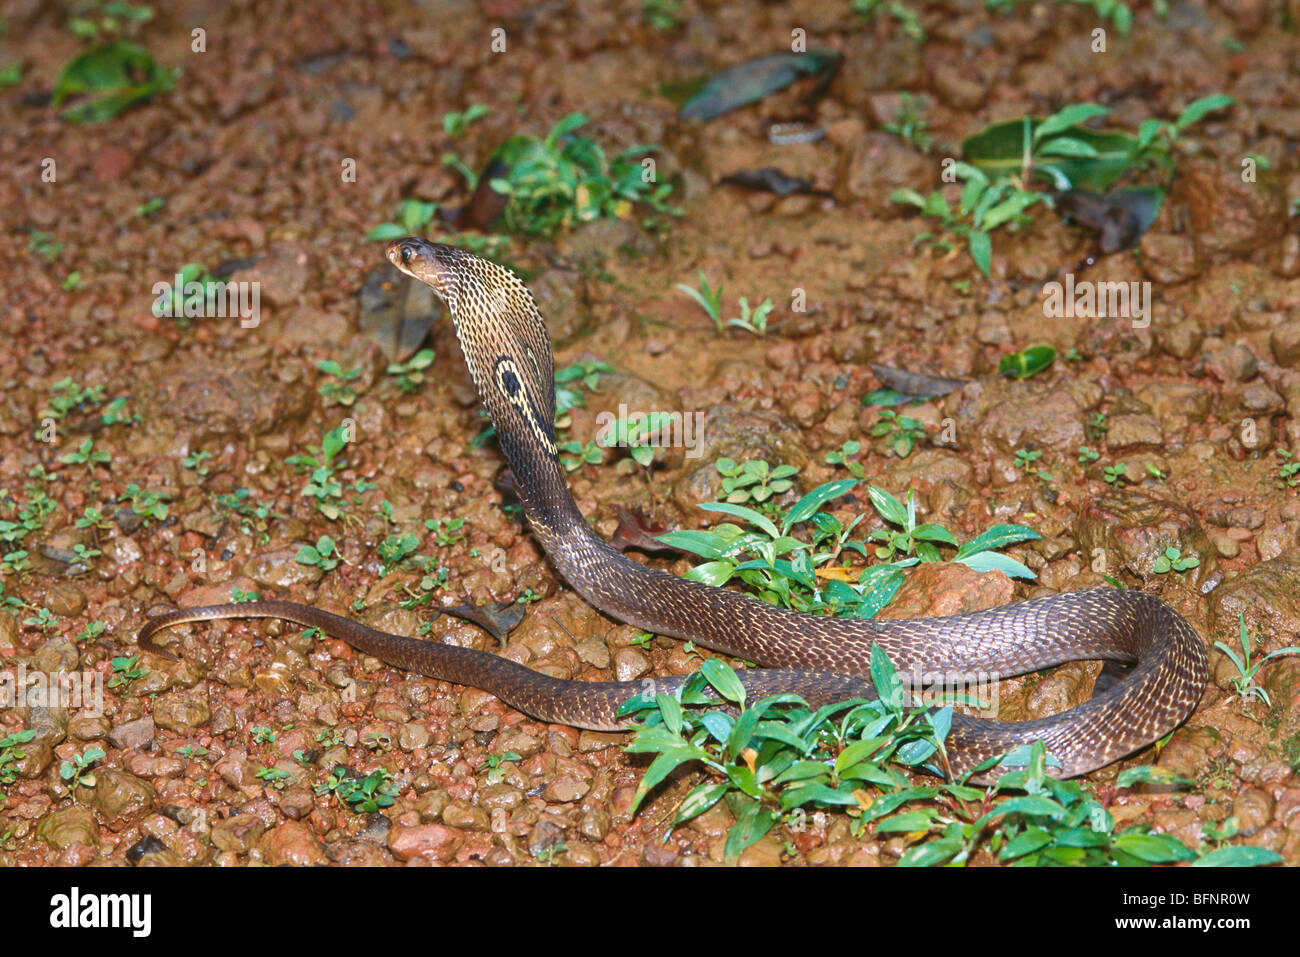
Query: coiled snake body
(825,660)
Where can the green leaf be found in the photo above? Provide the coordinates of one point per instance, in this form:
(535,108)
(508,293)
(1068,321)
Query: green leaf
(1239,856)
(980,245)
(997,562)
(698,801)
(662,766)
(930,532)
(1149,774)
(748,514)
(724,680)
(885,678)
(671,710)
(1199,109)
(810,503)
(999,536)
(932,853)
(1153,848)
(1072,115)
(386,231)
(716,573)
(908,821)
(1021,365)
(1031,840)
(751,824)
(123,73)
(1067,146)
(998,151)
(890,508)
(705,544)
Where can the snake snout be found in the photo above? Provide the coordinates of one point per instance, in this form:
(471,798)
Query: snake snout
(431,263)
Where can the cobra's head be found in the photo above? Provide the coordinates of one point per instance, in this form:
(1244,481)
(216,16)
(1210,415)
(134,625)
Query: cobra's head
(502,335)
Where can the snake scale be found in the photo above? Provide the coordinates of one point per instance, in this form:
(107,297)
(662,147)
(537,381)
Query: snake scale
(1156,662)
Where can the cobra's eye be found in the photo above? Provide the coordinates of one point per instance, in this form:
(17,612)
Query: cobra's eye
(406,255)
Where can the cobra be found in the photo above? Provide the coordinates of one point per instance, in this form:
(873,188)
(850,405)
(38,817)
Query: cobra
(1156,663)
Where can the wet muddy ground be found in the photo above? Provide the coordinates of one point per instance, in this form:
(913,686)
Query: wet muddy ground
(216,760)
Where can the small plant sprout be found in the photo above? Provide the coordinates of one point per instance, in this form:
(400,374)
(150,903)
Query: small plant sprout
(373,793)
(1115,474)
(444,530)
(636,435)
(922,540)
(492,764)
(323,554)
(338,392)
(1097,426)
(125,672)
(195,461)
(323,486)
(146,503)
(709,298)
(77,771)
(273,777)
(87,455)
(844,457)
(755,481)
(566,179)
(900,432)
(11,752)
(410,374)
(44,619)
(91,632)
(456,123)
(1171,559)
(1288,473)
(1087,455)
(755,322)
(1025,459)
(1244,681)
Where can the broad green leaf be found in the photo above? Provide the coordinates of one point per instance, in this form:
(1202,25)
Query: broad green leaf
(1031,840)
(698,801)
(999,536)
(907,821)
(1072,115)
(885,678)
(1067,146)
(997,562)
(671,711)
(889,507)
(980,245)
(748,514)
(1021,365)
(712,573)
(1199,109)
(1153,848)
(704,544)
(752,823)
(807,506)
(724,680)
(1149,774)
(1241,855)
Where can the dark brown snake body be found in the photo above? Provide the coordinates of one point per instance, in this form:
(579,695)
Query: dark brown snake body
(824,660)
